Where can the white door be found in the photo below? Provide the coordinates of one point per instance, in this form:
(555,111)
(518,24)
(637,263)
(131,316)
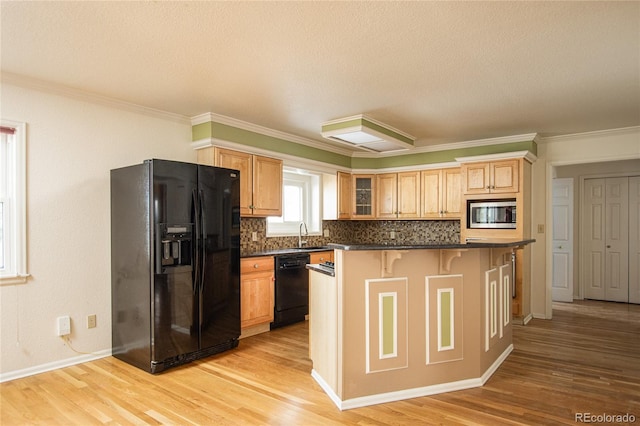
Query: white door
(634,239)
(606,242)
(593,240)
(616,276)
(562,284)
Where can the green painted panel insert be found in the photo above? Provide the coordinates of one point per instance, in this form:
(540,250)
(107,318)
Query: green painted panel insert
(388,325)
(445,319)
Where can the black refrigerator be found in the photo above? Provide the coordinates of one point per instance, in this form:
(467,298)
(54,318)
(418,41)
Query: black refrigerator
(175,262)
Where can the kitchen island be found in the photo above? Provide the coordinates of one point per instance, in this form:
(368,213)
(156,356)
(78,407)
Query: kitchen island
(398,322)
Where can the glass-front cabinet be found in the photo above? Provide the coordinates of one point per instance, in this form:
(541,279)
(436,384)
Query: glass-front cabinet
(363,197)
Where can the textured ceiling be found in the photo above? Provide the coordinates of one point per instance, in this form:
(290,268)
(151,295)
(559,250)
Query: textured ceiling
(440,71)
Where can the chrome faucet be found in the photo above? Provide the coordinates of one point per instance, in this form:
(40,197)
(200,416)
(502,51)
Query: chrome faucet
(302,242)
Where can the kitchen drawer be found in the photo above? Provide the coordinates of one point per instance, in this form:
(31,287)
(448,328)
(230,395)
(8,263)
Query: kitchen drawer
(256,264)
(321,256)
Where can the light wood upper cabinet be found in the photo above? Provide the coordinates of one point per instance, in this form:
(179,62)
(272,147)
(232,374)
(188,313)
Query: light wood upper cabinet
(491,178)
(387,196)
(267,186)
(344,195)
(363,196)
(256,291)
(398,195)
(260,179)
(441,193)
(452,193)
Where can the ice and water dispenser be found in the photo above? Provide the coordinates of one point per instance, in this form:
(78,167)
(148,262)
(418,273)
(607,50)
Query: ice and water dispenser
(173,248)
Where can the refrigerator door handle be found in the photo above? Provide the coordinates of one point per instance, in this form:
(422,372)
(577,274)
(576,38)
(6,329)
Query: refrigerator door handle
(203,236)
(196,245)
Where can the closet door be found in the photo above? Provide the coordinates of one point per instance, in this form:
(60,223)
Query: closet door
(593,239)
(605,233)
(616,277)
(634,239)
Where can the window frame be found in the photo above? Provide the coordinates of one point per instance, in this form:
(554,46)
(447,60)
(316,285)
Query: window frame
(310,217)
(15,272)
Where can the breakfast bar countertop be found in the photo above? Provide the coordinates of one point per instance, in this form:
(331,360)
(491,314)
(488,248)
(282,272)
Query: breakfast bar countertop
(433,245)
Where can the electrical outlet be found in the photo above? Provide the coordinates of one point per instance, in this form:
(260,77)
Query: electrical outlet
(326,233)
(91,321)
(64,325)
(254,236)
(392,235)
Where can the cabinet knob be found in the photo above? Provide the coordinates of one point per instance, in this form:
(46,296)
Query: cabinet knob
(488,187)
(608,246)
(255,265)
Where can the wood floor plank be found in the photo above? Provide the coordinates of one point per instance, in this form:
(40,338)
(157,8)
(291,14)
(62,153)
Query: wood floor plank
(585,360)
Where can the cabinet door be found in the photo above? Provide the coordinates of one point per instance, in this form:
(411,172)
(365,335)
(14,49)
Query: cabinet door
(387,196)
(409,195)
(257,294)
(363,187)
(267,186)
(344,195)
(504,176)
(476,178)
(243,162)
(452,193)
(256,291)
(430,194)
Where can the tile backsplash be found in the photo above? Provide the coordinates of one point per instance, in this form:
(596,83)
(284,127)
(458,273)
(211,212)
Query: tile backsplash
(352,232)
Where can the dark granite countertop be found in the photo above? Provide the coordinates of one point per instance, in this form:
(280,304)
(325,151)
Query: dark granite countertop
(383,246)
(433,245)
(291,250)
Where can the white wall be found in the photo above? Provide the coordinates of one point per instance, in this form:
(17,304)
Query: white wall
(72,143)
(595,147)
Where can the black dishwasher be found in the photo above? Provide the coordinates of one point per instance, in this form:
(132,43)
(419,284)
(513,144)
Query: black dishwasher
(291,289)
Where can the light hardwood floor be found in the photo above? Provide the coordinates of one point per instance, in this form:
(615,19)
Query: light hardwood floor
(585,360)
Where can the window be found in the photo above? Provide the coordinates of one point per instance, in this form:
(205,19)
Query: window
(300,203)
(13,246)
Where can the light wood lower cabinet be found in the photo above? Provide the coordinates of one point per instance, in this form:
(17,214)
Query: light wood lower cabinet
(256,290)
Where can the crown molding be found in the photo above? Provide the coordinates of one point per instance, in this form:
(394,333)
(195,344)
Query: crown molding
(597,133)
(527,155)
(81,95)
(244,125)
(222,119)
(458,145)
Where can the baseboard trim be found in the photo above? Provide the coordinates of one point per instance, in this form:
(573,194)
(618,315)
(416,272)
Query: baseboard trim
(382,398)
(31,371)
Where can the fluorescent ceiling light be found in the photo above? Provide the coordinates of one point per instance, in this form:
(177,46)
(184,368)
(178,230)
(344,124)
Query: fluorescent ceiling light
(367,134)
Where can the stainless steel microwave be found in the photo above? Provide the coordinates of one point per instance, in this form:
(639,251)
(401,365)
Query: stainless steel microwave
(491,214)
